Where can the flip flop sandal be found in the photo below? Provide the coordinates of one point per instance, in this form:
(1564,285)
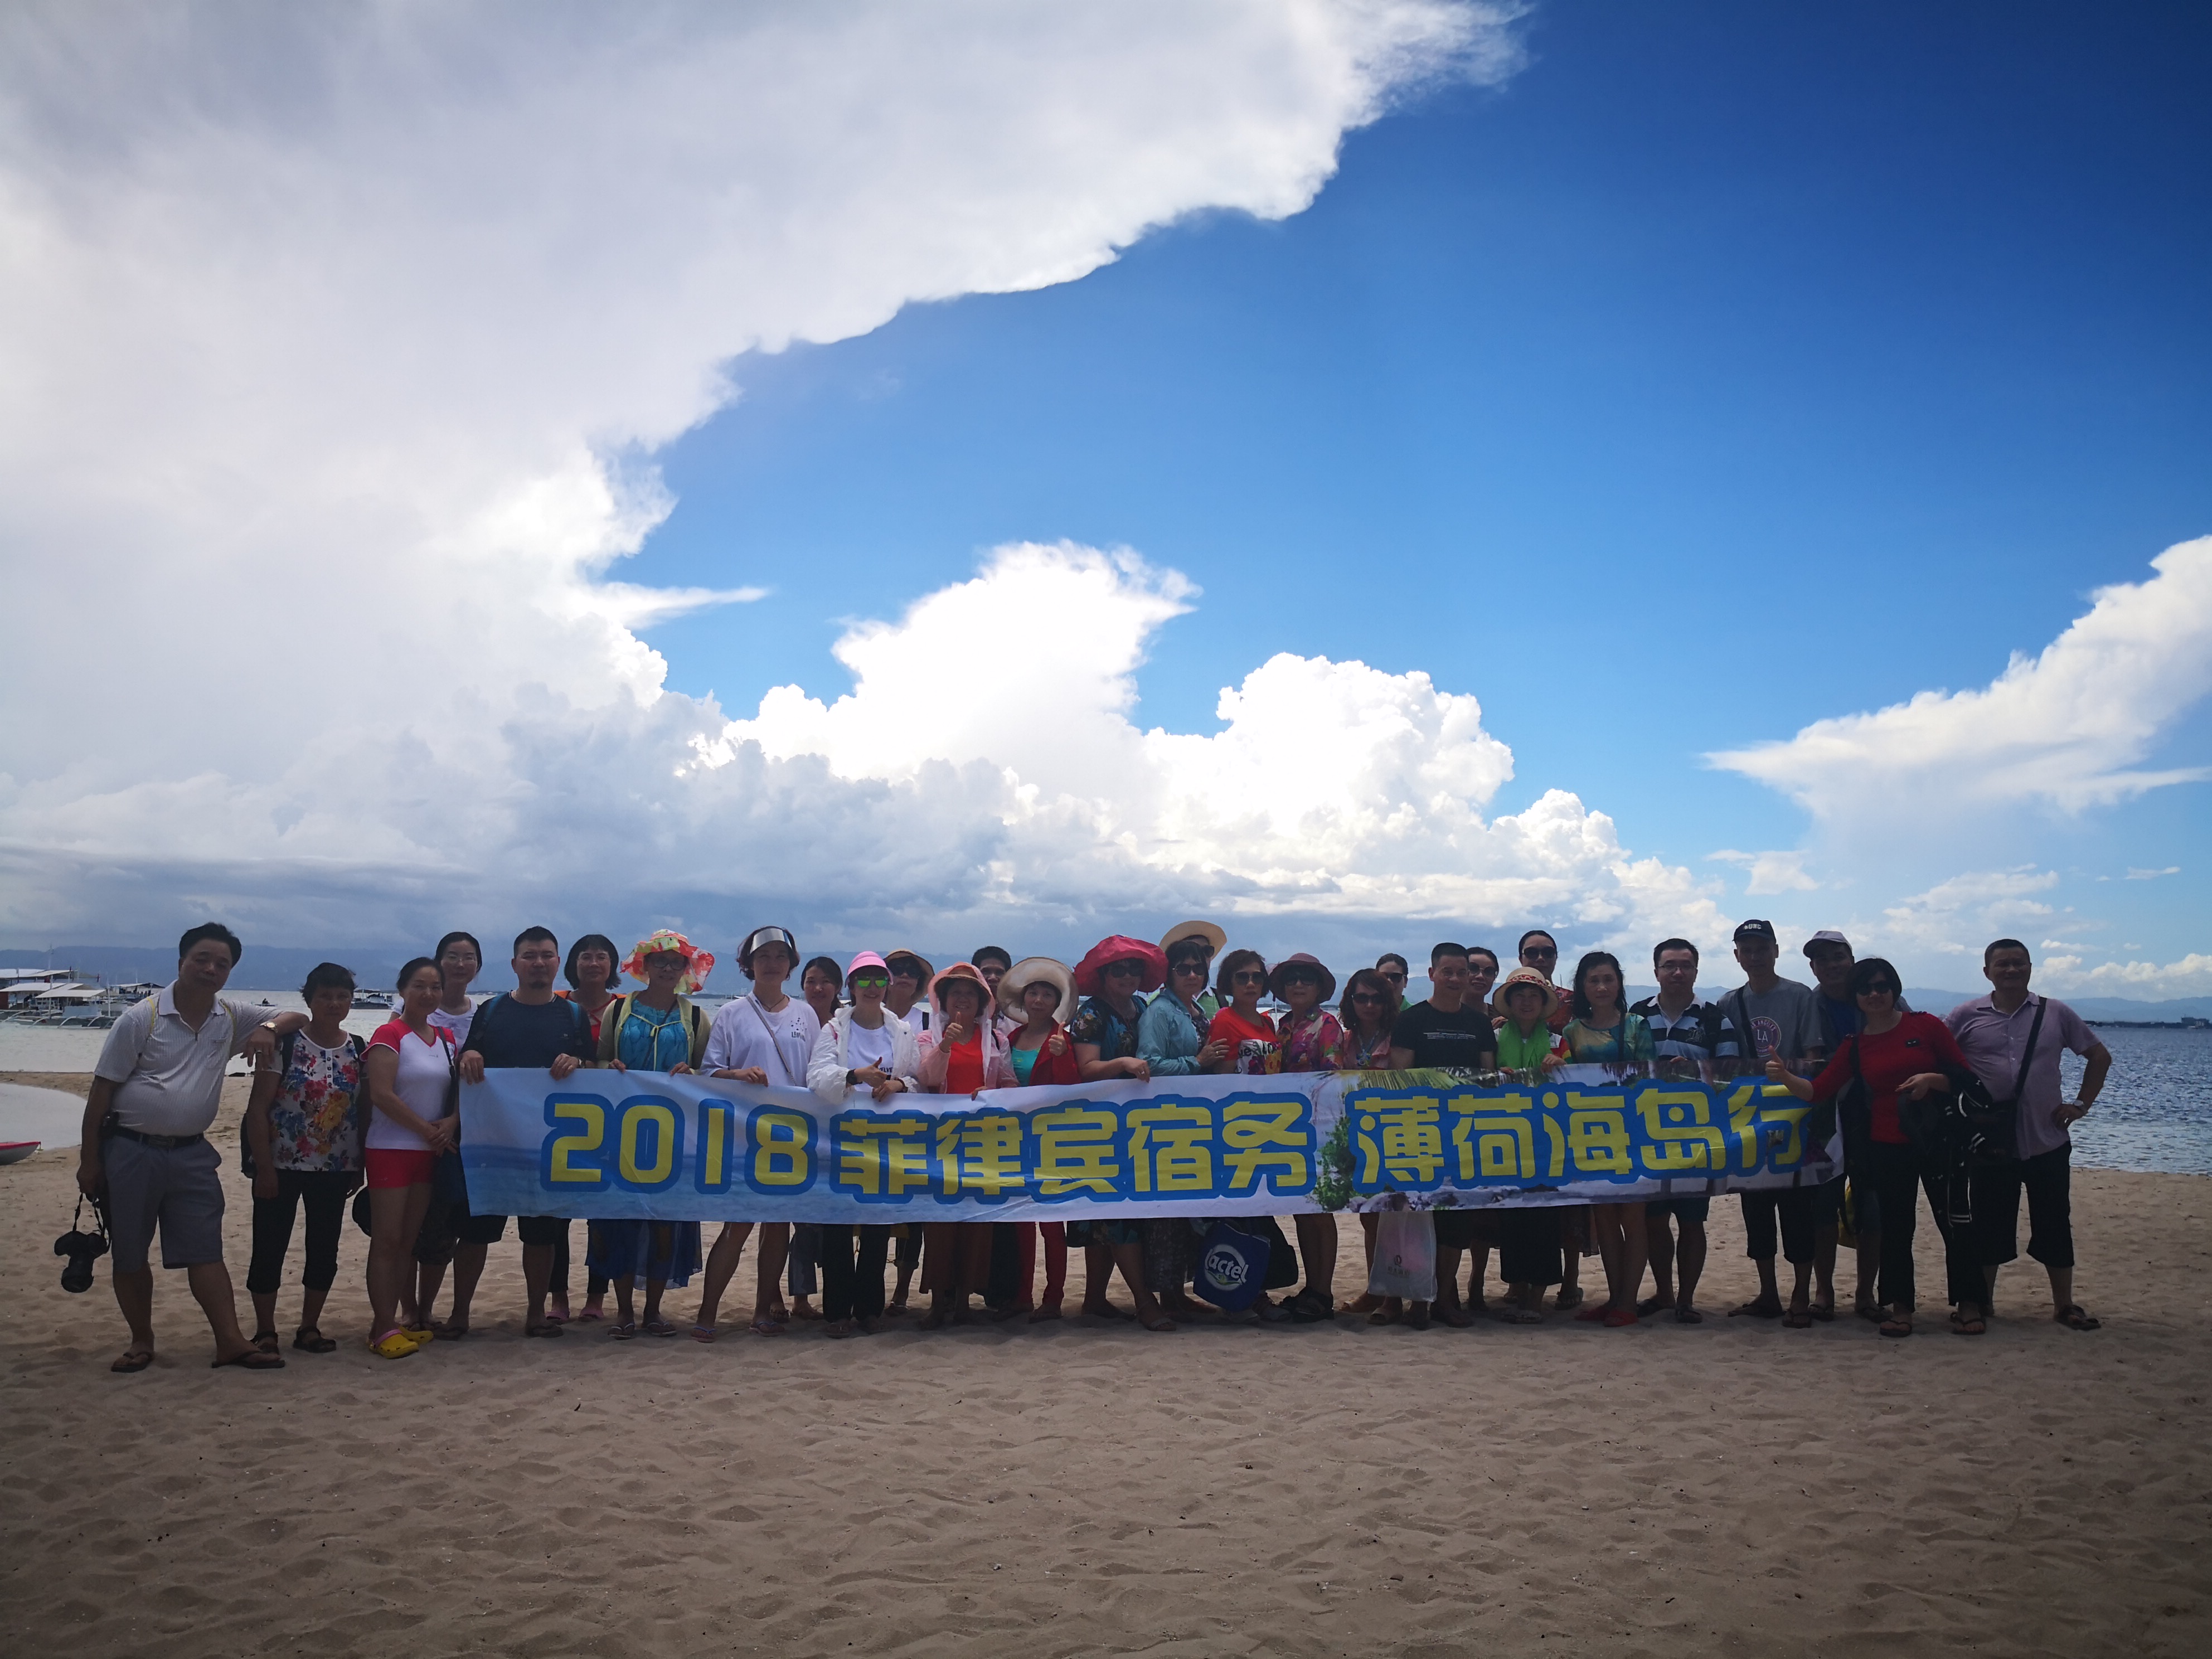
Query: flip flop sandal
(1798,1321)
(1592,1313)
(548,1328)
(1523,1316)
(254,1360)
(267,1341)
(1824,1312)
(1871,1312)
(132,1360)
(2076,1318)
(626,1331)
(1163,1323)
(446,1331)
(552,1318)
(1897,1327)
(702,1333)
(657,1328)
(1971,1326)
(1618,1318)
(765,1326)
(1566,1300)
(308,1339)
(393,1345)
(1688,1315)
(587,1317)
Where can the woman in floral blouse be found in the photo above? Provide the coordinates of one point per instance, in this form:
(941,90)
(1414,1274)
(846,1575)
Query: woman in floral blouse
(303,1132)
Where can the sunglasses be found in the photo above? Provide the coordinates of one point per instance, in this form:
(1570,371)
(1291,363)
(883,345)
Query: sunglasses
(1880,990)
(1248,976)
(859,980)
(1372,999)
(1302,976)
(1122,970)
(1198,968)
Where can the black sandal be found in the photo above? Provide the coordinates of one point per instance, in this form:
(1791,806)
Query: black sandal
(267,1341)
(308,1338)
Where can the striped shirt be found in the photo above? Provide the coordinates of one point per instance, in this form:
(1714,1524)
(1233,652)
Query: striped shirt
(1686,1036)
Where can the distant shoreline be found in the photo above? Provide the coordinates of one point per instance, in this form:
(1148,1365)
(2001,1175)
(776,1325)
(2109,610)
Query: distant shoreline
(2152,1024)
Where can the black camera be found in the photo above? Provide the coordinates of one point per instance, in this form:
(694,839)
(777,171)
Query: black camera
(82,1248)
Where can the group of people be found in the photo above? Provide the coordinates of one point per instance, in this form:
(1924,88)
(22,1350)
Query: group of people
(332,1118)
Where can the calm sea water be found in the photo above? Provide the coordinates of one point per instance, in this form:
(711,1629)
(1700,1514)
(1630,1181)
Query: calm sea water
(2155,1112)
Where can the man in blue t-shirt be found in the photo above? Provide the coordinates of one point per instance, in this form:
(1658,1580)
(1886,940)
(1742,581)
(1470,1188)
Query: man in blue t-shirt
(527,1029)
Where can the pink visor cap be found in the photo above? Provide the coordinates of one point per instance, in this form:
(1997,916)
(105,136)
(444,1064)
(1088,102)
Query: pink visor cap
(869,959)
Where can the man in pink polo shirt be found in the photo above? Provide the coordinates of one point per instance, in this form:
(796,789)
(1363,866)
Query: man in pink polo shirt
(2012,1038)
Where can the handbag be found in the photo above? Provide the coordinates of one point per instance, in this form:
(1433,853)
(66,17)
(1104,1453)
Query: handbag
(1232,1266)
(1404,1256)
(1993,1126)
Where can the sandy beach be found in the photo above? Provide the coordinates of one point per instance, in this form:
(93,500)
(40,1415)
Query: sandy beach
(1082,1489)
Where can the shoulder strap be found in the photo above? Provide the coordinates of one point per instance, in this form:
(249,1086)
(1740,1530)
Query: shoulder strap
(287,1046)
(2034,1030)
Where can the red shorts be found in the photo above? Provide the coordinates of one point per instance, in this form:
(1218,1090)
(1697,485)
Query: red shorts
(398,1166)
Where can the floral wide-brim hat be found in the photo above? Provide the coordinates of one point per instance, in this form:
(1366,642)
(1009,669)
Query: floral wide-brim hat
(697,963)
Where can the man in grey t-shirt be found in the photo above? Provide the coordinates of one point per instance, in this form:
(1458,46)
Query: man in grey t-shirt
(1777,1018)
(145,1153)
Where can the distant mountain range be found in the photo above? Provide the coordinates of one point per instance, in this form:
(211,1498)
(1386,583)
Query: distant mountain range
(269,967)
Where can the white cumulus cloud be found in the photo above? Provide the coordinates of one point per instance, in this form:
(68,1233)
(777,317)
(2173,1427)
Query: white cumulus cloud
(2068,727)
(337,341)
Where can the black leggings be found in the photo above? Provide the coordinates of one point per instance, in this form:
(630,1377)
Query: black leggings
(847,1292)
(324,1193)
(1897,1177)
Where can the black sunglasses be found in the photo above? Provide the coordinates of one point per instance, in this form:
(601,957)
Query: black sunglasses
(1369,996)
(1248,976)
(1122,970)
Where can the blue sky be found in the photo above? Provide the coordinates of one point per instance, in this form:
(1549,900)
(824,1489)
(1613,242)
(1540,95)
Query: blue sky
(1729,368)
(1671,379)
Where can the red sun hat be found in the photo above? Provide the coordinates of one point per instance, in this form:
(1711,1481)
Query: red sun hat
(1120,947)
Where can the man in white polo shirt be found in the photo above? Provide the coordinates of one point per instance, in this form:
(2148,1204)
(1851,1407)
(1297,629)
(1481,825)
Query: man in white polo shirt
(145,1151)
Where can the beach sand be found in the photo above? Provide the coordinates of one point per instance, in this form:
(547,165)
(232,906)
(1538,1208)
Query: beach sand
(1078,1489)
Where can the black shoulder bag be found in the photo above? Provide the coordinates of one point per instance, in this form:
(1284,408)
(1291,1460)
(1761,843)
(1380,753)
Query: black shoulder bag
(1993,1126)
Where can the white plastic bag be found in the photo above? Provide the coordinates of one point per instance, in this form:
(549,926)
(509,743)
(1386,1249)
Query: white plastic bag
(1404,1256)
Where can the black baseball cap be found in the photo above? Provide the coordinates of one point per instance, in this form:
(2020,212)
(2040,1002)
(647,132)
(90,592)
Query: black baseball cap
(1745,930)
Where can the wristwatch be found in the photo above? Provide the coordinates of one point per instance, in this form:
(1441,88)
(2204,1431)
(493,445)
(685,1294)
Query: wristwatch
(851,1078)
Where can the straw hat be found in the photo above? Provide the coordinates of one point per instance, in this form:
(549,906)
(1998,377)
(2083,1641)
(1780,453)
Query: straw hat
(697,963)
(1300,959)
(1214,936)
(1028,971)
(1120,947)
(1525,976)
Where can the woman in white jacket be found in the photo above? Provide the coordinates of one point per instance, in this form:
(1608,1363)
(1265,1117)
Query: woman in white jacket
(863,1057)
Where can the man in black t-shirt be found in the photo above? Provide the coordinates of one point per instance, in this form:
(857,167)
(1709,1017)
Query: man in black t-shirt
(1447,1029)
(527,1029)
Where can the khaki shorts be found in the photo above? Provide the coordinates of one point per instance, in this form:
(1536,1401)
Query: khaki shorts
(177,1191)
